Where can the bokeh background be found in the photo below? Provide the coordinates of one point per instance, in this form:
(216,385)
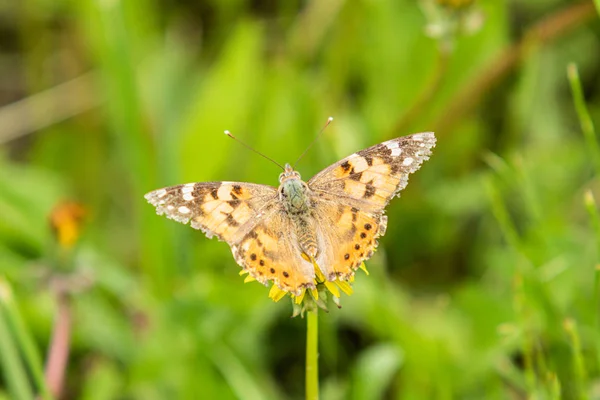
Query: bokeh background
(485,286)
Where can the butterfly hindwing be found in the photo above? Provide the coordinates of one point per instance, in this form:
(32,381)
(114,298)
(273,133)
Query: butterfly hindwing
(226,210)
(351,235)
(269,252)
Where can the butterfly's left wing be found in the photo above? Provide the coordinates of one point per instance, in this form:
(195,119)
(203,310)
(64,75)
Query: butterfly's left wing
(227,210)
(250,219)
(350,198)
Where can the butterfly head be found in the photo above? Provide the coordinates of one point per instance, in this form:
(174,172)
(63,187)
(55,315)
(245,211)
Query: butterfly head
(288,173)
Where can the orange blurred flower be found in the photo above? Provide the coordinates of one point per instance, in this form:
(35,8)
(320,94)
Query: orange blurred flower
(65,220)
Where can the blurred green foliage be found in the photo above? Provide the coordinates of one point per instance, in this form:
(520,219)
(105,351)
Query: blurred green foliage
(485,286)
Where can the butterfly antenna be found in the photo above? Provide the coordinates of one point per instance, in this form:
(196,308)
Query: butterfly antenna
(313,142)
(252,149)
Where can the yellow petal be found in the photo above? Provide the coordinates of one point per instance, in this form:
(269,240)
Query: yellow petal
(298,299)
(242,272)
(332,288)
(315,293)
(249,278)
(345,286)
(276,294)
(318,272)
(364,268)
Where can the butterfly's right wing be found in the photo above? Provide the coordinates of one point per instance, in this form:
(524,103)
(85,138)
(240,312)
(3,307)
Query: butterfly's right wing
(370,178)
(227,210)
(350,198)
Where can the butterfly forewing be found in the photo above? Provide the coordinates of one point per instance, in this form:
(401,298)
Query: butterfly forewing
(375,175)
(227,210)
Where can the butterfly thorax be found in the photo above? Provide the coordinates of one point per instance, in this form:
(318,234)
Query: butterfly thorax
(294,194)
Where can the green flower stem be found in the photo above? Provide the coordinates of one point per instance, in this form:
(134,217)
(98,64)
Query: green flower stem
(312,355)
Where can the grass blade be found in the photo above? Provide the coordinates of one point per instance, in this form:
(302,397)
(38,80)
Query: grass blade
(587,126)
(14,372)
(27,346)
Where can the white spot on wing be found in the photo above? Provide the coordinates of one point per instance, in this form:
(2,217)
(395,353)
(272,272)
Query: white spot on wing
(392,145)
(359,164)
(188,197)
(189,188)
(160,193)
(224,192)
(396,152)
(183,210)
(407,161)
(424,136)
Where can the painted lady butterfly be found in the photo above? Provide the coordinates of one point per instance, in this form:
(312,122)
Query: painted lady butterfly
(280,234)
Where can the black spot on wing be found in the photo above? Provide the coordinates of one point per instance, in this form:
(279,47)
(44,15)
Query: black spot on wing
(356,177)
(231,221)
(369,191)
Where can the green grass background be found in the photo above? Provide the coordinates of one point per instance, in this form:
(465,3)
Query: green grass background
(486,284)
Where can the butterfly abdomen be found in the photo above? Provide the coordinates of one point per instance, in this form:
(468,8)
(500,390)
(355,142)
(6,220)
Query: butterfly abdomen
(306,235)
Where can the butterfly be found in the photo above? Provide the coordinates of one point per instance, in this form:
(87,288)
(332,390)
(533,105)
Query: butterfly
(280,235)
